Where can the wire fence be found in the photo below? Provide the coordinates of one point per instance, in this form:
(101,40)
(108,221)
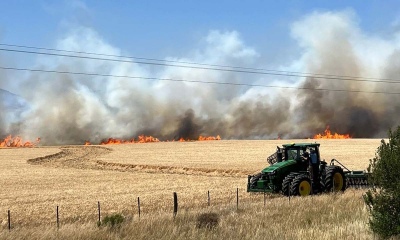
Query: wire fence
(99,214)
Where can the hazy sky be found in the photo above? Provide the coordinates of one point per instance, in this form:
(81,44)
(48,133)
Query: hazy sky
(360,39)
(172,28)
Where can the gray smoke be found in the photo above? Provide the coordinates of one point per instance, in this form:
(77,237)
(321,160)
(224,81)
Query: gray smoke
(70,109)
(342,49)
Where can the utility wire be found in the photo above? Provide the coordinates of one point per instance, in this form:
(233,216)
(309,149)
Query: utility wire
(220,68)
(131,57)
(191,63)
(195,81)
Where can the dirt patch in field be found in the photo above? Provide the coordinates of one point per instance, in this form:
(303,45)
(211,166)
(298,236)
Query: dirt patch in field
(84,157)
(72,156)
(171,169)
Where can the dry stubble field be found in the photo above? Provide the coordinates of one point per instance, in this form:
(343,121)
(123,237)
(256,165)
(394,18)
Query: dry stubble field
(35,180)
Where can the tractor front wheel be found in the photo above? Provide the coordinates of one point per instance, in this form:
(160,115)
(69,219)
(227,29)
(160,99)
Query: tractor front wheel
(287,182)
(301,186)
(254,179)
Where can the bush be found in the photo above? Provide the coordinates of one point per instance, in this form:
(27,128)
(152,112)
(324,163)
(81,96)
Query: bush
(383,199)
(113,221)
(207,220)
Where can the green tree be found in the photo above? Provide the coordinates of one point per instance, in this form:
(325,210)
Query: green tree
(383,199)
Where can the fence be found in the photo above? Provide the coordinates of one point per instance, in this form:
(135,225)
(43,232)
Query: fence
(99,210)
(174,204)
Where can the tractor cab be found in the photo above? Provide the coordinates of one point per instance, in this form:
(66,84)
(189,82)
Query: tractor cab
(295,151)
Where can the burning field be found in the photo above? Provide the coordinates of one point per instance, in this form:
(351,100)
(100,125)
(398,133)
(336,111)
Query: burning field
(329,135)
(112,131)
(151,139)
(17,141)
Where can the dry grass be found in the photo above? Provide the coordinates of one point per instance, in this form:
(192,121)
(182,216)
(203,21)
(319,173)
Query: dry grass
(246,156)
(81,176)
(340,216)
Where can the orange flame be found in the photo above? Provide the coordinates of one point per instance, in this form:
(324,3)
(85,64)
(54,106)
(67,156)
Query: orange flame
(329,135)
(17,141)
(149,139)
(141,139)
(209,138)
(201,138)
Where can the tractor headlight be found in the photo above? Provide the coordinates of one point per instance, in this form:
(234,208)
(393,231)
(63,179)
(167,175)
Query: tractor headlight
(273,172)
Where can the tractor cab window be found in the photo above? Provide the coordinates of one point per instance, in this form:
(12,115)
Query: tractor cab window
(294,153)
(291,154)
(314,155)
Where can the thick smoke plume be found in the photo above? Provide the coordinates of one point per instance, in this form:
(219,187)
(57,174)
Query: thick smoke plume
(69,109)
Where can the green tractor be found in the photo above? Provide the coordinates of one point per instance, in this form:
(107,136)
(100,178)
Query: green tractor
(291,173)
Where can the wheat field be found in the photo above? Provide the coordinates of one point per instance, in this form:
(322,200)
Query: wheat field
(36,180)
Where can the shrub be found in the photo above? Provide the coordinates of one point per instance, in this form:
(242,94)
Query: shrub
(113,220)
(383,199)
(207,220)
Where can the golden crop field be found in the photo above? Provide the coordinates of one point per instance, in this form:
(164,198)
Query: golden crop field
(36,180)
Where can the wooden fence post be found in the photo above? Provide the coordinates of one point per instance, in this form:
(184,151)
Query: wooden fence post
(58,219)
(9,220)
(138,203)
(175,204)
(98,207)
(237,198)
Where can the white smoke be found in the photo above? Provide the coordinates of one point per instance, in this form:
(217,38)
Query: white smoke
(73,108)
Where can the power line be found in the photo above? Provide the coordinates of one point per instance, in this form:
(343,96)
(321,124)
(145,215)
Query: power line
(195,81)
(216,68)
(154,59)
(139,58)
(192,63)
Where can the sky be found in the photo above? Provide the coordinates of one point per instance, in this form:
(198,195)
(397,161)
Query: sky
(158,29)
(359,39)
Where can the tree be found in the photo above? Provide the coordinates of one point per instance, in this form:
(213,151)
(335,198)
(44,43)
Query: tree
(383,199)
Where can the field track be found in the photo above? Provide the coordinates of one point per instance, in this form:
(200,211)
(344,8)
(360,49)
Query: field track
(84,157)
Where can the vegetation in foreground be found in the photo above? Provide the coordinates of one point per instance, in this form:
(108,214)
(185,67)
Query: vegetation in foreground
(328,216)
(384,199)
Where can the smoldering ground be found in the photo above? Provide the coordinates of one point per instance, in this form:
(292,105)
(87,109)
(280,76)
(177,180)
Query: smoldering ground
(70,109)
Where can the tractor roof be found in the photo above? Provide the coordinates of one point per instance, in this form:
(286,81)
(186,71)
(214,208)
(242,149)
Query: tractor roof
(301,145)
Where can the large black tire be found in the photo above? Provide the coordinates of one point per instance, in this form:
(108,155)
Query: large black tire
(335,179)
(321,186)
(287,182)
(301,186)
(254,179)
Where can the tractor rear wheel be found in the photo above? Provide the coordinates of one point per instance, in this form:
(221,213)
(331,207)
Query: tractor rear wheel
(334,179)
(287,182)
(301,186)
